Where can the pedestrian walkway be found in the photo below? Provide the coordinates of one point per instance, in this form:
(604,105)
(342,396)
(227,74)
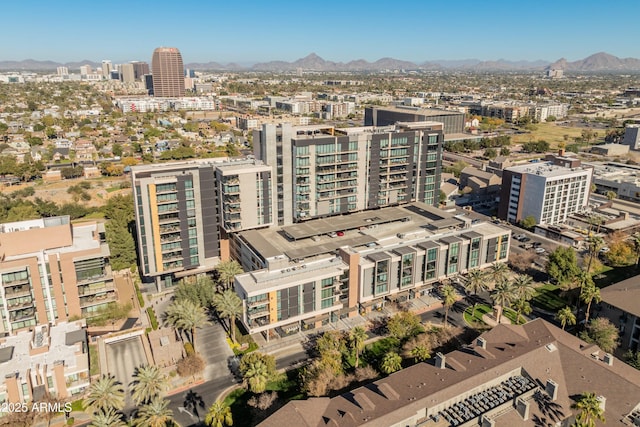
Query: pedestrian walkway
(212,345)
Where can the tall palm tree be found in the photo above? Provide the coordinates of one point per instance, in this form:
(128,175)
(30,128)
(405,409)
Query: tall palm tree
(566,317)
(229,306)
(521,306)
(523,287)
(108,418)
(582,280)
(474,283)
(155,413)
(449,298)
(503,295)
(357,336)
(148,381)
(257,376)
(590,410)
(227,271)
(636,245)
(106,393)
(498,272)
(391,362)
(219,415)
(186,315)
(594,244)
(589,293)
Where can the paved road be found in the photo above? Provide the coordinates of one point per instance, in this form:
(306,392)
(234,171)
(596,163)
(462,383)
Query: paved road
(212,345)
(123,357)
(196,401)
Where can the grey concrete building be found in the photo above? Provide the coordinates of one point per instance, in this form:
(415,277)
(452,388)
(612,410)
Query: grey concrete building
(453,121)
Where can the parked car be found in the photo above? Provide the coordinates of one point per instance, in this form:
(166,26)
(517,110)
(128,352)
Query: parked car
(540,250)
(537,244)
(525,239)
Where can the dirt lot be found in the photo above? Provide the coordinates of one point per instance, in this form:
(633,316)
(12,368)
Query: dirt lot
(101,189)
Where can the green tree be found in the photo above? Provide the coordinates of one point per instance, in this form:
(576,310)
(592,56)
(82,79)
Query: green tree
(620,253)
(498,272)
(201,292)
(529,222)
(331,347)
(107,418)
(632,358)
(563,265)
(594,244)
(229,306)
(601,332)
(227,271)
(490,153)
(105,393)
(421,353)
(119,231)
(449,298)
(357,338)
(636,245)
(186,316)
(404,324)
(503,295)
(566,317)
(589,293)
(219,415)
(391,362)
(611,195)
(155,413)
(590,410)
(257,369)
(475,282)
(521,306)
(523,287)
(148,382)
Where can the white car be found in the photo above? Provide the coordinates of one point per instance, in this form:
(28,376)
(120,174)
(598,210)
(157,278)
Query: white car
(540,250)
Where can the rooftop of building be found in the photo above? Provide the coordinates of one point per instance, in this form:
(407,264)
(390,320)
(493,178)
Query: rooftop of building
(624,295)
(547,169)
(487,377)
(425,111)
(53,344)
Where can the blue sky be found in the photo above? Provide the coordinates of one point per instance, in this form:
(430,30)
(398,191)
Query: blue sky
(253,31)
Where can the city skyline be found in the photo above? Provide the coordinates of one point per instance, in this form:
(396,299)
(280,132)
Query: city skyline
(68,31)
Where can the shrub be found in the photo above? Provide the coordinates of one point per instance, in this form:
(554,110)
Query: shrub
(188,349)
(152,318)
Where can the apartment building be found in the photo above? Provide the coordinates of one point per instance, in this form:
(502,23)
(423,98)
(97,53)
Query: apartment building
(453,121)
(52,271)
(49,359)
(548,191)
(303,275)
(323,171)
(184,209)
(527,375)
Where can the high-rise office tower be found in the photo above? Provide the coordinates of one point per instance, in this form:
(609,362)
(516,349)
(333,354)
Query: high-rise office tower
(140,69)
(107,67)
(168,73)
(127,73)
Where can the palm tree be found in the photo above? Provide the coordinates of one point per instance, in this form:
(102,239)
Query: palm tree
(448,299)
(503,295)
(474,283)
(566,317)
(421,353)
(106,393)
(257,376)
(227,271)
(498,272)
(523,287)
(521,306)
(594,244)
(590,410)
(108,418)
(636,245)
(391,362)
(186,315)
(219,415)
(148,381)
(582,280)
(589,293)
(229,306)
(357,336)
(155,413)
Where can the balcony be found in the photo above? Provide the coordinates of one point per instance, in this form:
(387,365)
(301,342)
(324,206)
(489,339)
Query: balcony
(97,299)
(17,291)
(18,316)
(168,220)
(257,303)
(172,257)
(19,305)
(171,238)
(98,278)
(169,229)
(16,282)
(87,291)
(254,314)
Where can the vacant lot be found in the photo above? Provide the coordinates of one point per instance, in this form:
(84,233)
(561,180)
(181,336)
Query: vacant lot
(554,134)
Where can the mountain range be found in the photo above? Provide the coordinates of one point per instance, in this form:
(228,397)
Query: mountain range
(599,62)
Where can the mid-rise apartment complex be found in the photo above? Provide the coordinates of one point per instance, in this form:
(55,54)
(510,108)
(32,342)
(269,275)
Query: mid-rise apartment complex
(51,271)
(184,209)
(46,360)
(548,191)
(322,171)
(303,275)
(453,121)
